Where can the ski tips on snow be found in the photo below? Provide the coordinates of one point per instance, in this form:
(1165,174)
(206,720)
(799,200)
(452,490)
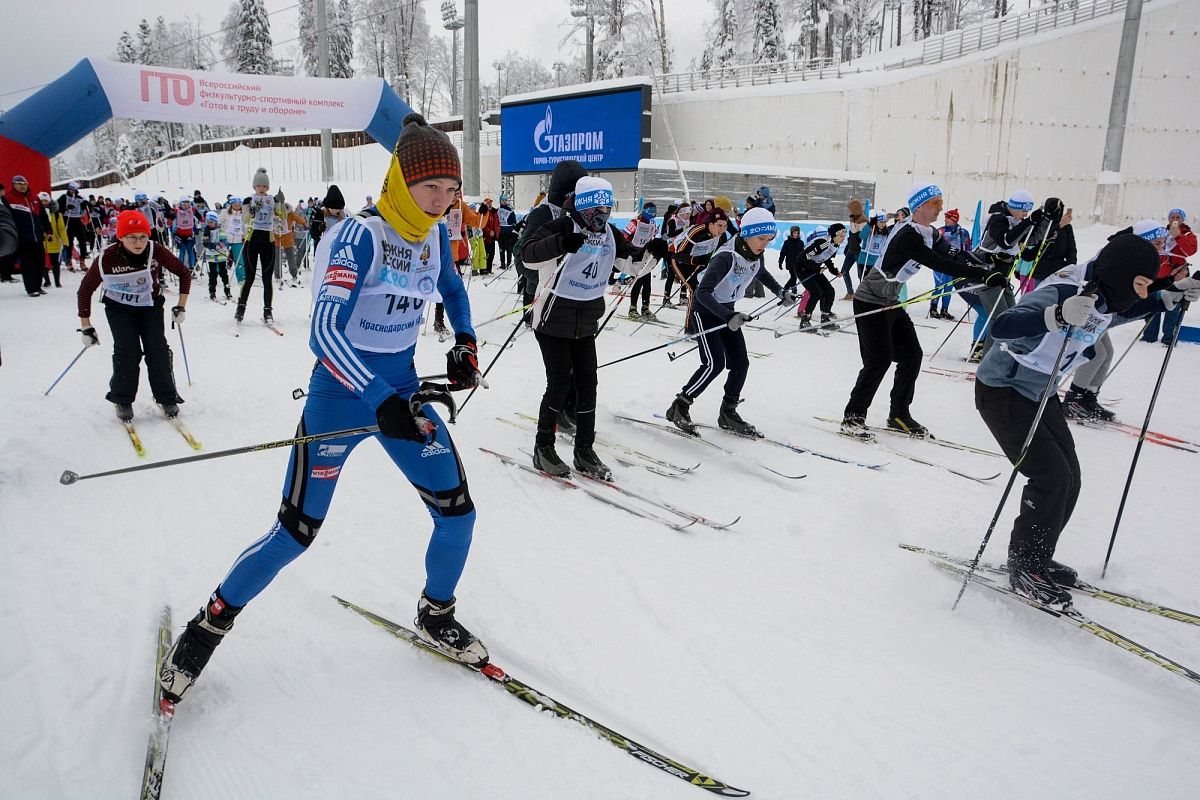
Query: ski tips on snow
(541,701)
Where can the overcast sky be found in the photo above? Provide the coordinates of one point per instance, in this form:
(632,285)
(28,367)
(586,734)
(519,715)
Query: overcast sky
(50,36)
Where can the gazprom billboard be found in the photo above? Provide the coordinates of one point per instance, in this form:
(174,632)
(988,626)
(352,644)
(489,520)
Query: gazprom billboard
(604,130)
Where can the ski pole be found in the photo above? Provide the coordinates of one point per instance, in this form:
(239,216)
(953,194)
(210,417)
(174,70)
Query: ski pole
(918,299)
(1137,451)
(499,317)
(65,371)
(615,305)
(686,338)
(183,349)
(1132,342)
(948,335)
(503,347)
(1051,386)
(68,477)
(673,356)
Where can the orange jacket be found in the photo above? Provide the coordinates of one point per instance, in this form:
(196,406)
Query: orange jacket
(460,246)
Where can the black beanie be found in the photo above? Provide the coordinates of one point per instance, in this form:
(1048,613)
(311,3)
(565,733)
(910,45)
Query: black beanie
(333,198)
(566,174)
(835,229)
(1118,263)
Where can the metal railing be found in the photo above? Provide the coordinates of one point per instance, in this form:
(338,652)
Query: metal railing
(994,32)
(754,75)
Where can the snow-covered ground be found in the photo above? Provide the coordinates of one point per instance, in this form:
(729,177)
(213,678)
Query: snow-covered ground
(800,653)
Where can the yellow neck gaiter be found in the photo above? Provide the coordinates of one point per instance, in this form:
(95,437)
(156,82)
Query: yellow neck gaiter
(398,208)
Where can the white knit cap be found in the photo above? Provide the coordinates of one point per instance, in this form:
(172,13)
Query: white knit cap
(591,192)
(758,222)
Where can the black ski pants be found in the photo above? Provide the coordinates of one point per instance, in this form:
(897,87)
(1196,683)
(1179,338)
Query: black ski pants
(77,231)
(507,240)
(819,291)
(641,287)
(885,337)
(1050,467)
(719,350)
(570,364)
(259,248)
(33,265)
(138,330)
(215,269)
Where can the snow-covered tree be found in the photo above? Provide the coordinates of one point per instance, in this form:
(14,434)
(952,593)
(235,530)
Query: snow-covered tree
(306,29)
(126,161)
(145,44)
(255,51)
(341,43)
(126,52)
(768,44)
(720,50)
(610,45)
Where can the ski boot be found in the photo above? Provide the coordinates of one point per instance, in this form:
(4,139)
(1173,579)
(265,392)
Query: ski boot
(587,462)
(1038,586)
(976,353)
(125,412)
(228,296)
(855,426)
(827,322)
(729,419)
(946,315)
(633,313)
(188,656)
(1074,406)
(436,624)
(933,312)
(806,323)
(1091,402)
(666,303)
(268,317)
(679,415)
(647,314)
(170,409)
(545,459)
(901,421)
(240,313)
(1061,574)
(212,296)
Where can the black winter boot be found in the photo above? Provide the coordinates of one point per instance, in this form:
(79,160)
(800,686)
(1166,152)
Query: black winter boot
(545,458)
(680,415)
(729,419)
(587,462)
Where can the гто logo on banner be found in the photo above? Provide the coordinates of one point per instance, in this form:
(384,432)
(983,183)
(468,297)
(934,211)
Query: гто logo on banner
(575,142)
(181,87)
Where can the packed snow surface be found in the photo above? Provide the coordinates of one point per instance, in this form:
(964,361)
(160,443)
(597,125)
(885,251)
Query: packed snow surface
(798,654)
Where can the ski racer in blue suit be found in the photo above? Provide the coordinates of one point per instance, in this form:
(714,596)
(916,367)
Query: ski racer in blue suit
(376,273)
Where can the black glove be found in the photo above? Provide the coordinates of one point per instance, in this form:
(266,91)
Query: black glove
(995,280)
(571,242)
(1053,208)
(1037,216)
(462,362)
(971,258)
(396,420)
(90,338)
(658,248)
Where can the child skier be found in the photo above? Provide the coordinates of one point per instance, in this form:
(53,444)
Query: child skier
(215,245)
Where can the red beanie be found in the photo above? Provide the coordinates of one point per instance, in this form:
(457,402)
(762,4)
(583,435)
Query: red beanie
(132,222)
(952,216)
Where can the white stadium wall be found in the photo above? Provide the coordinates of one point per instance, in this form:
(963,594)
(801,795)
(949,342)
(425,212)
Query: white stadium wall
(1034,116)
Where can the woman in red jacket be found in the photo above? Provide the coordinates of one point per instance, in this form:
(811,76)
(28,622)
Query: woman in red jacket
(1180,246)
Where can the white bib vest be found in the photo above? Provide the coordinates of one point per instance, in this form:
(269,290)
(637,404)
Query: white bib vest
(133,288)
(1042,357)
(584,275)
(263,209)
(393,290)
(644,232)
(454,224)
(732,287)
